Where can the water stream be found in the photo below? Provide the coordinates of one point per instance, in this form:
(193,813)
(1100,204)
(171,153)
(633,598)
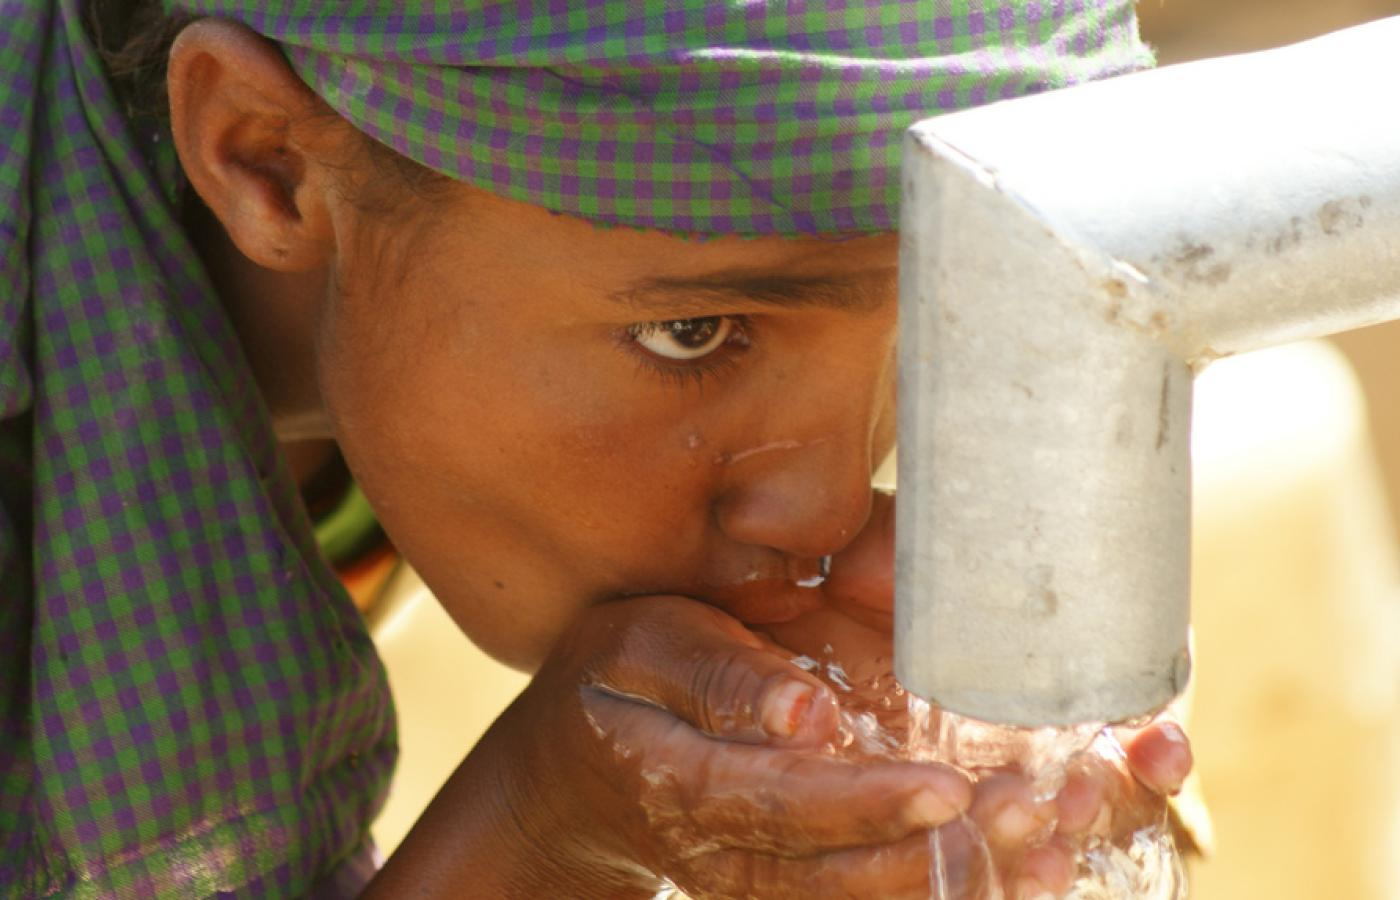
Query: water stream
(1135,859)
(1129,855)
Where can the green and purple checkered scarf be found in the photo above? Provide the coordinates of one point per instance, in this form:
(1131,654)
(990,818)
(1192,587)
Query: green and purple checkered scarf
(188,703)
(691,116)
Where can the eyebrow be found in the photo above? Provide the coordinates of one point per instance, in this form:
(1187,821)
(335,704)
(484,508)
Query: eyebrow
(677,298)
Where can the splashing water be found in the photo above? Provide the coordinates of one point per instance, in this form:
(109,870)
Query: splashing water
(1139,861)
(1132,860)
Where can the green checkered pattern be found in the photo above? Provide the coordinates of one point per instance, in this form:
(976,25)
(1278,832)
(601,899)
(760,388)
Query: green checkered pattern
(190,703)
(689,116)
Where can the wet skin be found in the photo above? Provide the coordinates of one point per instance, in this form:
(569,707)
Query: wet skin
(612,454)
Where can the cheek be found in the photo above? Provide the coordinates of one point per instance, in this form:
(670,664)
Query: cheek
(497,406)
(498,453)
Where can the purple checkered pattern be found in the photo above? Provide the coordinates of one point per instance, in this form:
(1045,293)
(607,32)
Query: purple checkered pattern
(190,703)
(695,116)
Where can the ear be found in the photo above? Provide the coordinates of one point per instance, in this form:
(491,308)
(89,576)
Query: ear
(242,122)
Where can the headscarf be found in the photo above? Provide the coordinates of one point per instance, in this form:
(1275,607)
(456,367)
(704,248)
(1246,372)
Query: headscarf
(188,702)
(694,116)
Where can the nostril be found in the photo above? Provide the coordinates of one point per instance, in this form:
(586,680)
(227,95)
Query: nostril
(802,521)
(804,498)
(808,573)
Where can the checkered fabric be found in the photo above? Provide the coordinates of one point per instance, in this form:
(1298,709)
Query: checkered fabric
(189,702)
(692,116)
(190,705)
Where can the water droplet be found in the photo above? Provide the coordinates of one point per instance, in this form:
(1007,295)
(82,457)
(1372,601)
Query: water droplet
(1137,860)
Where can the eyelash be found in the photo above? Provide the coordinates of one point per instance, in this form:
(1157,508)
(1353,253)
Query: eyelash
(679,373)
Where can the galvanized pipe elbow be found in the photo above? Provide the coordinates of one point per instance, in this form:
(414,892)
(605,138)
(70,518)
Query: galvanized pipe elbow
(1068,261)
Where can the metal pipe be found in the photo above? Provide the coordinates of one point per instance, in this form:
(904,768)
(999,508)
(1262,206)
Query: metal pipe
(1068,262)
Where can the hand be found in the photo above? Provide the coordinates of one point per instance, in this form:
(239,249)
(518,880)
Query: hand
(1033,843)
(1110,793)
(661,737)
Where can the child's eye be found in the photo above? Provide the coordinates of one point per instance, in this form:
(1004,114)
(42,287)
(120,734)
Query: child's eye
(685,339)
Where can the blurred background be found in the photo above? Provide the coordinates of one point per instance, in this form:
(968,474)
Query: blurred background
(1296,587)
(1295,581)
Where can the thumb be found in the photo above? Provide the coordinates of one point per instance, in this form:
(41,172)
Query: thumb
(709,671)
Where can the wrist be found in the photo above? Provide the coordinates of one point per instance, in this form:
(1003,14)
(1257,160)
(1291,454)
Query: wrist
(493,829)
(556,853)
(552,817)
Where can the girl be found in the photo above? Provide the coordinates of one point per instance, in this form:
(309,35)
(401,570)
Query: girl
(615,453)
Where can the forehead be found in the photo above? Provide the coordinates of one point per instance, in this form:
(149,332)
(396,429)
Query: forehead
(616,258)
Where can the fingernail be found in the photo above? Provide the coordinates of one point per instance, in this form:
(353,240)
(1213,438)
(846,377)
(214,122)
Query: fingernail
(1016,822)
(928,809)
(784,706)
(1173,733)
(1031,889)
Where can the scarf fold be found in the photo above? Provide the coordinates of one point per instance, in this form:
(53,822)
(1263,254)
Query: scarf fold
(743,117)
(189,703)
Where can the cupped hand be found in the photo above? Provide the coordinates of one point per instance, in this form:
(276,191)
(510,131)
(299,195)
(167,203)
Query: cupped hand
(661,738)
(1032,843)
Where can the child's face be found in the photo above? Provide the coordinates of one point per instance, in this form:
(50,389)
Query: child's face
(534,448)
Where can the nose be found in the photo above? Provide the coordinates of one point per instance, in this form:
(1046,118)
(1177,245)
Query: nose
(811,507)
(805,492)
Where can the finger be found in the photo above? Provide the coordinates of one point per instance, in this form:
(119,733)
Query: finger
(1046,870)
(707,669)
(1080,802)
(864,654)
(1100,794)
(1124,803)
(1006,810)
(861,581)
(784,802)
(897,870)
(1160,757)
(961,864)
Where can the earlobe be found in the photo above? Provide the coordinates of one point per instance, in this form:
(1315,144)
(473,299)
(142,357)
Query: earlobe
(239,117)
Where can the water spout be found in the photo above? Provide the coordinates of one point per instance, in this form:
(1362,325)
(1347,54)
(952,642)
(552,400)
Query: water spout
(1068,262)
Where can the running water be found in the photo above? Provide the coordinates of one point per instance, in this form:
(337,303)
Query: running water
(1129,856)
(1123,861)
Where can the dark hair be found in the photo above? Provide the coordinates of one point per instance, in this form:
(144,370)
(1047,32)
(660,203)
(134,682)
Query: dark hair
(133,38)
